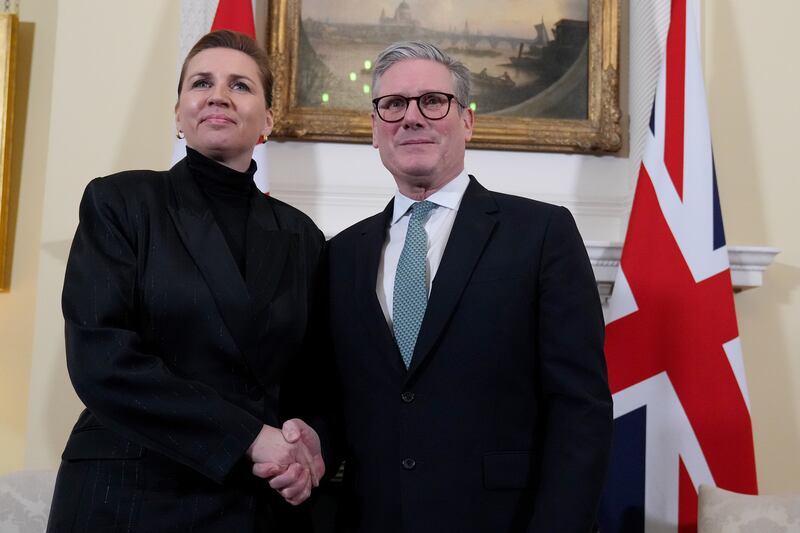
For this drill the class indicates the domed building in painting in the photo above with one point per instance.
(402, 17)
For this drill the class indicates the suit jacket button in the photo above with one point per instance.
(409, 463)
(407, 397)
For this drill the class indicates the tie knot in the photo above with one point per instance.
(420, 209)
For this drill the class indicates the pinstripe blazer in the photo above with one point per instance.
(178, 358)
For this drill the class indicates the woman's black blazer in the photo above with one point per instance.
(178, 358)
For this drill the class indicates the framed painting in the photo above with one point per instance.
(8, 41)
(544, 73)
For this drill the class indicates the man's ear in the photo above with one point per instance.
(468, 118)
(374, 129)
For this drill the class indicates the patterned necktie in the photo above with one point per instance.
(410, 285)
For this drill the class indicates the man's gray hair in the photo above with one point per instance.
(403, 50)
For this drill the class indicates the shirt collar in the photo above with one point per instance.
(448, 196)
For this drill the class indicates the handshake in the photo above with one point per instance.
(290, 458)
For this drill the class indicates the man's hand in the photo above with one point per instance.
(297, 432)
(290, 458)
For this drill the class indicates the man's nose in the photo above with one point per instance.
(413, 114)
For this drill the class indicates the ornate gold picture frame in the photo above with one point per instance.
(8, 43)
(313, 98)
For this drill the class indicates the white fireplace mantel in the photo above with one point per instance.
(748, 264)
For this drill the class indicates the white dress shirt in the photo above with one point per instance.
(437, 227)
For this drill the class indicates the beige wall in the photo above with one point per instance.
(99, 99)
(95, 86)
(752, 78)
(111, 108)
(30, 143)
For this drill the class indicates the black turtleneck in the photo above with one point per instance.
(228, 192)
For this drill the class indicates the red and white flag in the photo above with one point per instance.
(681, 409)
(198, 17)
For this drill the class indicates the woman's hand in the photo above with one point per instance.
(291, 458)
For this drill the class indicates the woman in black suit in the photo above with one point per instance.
(187, 296)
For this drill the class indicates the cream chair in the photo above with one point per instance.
(25, 500)
(722, 511)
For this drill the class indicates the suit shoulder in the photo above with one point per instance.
(534, 210)
(521, 202)
(133, 178)
(348, 234)
(533, 218)
(128, 182)
(289, 216)
(292, 219)
(125, 188)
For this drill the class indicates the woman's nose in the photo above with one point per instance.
(219, 95)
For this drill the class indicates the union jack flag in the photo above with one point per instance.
(682, 415)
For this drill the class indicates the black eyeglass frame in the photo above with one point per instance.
(408, 99)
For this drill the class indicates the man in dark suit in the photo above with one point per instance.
(468, 335)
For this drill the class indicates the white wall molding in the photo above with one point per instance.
(337, 207)
(377, 197)
(748, 264)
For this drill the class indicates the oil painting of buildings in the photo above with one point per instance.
(526, 58)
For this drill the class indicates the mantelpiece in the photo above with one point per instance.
(748, 264)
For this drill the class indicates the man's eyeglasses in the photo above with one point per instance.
(433, 106)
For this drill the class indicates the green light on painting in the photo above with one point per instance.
(367, 65)
(353, 76)
(325, 98)
(473, 106)
(365, 88)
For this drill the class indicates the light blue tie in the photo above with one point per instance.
(410, 285)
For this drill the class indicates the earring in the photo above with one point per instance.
(179, 134)
(262, 139)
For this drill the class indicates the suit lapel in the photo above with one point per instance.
(267, 251)
(368, 256)
(206, 244)
(472, 228)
